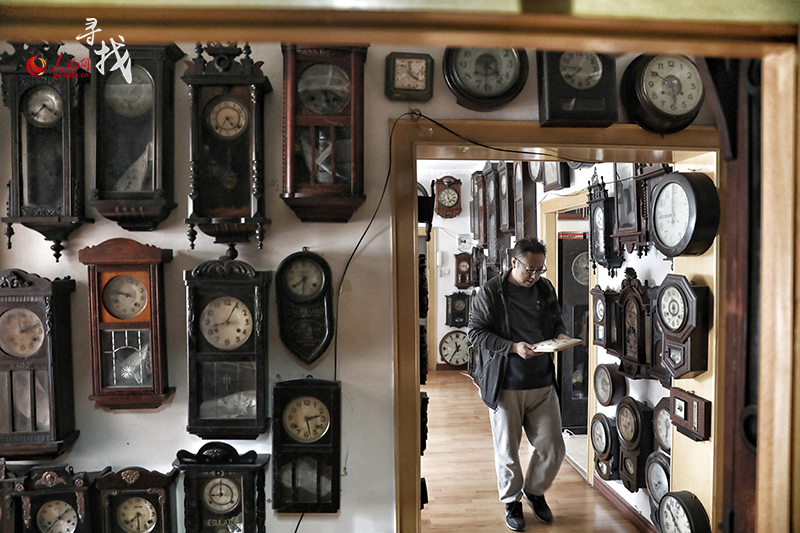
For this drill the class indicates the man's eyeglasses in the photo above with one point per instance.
(531, 271)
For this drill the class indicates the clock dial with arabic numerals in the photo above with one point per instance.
(226, 323)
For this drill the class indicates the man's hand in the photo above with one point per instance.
(524, 350)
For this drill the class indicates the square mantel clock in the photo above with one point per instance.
(409, 77)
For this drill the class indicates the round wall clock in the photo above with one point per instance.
(662, 425)
(454, 348)
(656, 475)
(132, 99)
(226, 323)
(682, 512)
(605, 442)
(662, 94)
(609, 384)
(306, 419)
(43, 106)
(485, 79)
(21, 332)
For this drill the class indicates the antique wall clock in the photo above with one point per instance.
(480, 207)
(576, 89)
(306, 446)
(226, 144)
(555, 175)
(495, 239)
(304, 286)
(604, 319)
(324, 129)
(657, 479)
(525, 174)
(223, 490)
(691, 414)
(457, 314)
(505, 173)
(128, 323)
(226, 314)
(463, 270)
(135, 500)
(133, 181)
(658, 366)
(447, 191)
(682, 309)
(9, 516)
(634, 425)
(609, 385)
(682, 512)
(47, 152)
(630, 208)
(634, 324)
(685, 214)
(56, 499)
(662, 94)
(662, 425)
(454, 348)
(409, 77)
(605, 442)
(35, 365)
(485, 79)
(602, 248)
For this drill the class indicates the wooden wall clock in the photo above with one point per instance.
(56, 499)
(223, 490)
(609, 385)
(505, 172)
(464, 268)
(480, 203)
(478, 265)
(128, 323)
(525, 177)
(35, 365)
(304, 286)
(691, 414)
(658, 366)
(324, 131)
(495, 239)
(47, 153)
(576, 89)
(485, 79)
(634, 322)
(226, 314)
(447, 191)
(306, 446)
(682, 309)
(602, 248)
(635, 428)
(605, 442)
(133, 181)
(605, 317)
(555, 175)
(226, 144)
(136, 500)
(457, 314)
(630, 202)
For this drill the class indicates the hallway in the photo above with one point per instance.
(458, 467)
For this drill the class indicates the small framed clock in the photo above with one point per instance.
(576, 89)
(634, 321)
(605, 442)
(447, 191)
(691, 414)
(223, 490)
(226, 314)
(662, 426)
(306, 446)
(304, 286)
(136, 500)
(454, 348)
(609, 385)
(682, 511)
(457, 314)
(409, 77)
(602, 248)
(128, 324)
(682, 310)
(555, 175)
(485, 79)
(605, 315)
(634, 424)
(507, 216)
(463, 270)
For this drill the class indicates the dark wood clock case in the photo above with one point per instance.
(634, 323)
(114, 488)
(603, 248)
(640, 447)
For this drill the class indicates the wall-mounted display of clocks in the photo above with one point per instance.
(135, 500)
(682, 512)
(682, 309)
(485, 79)
(609, 384)
(447, 191)
(454, 348)
(605, 442)
(634, 425)
(604, 319)
(690, 414)
(602, 248)
(576, 89)
(457, 315)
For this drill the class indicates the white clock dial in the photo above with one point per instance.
(599, 310)
(463, 266)
(21, 332)
(57, 516)
(448, 197)
(487, 72)
(673, 516)
(581, 70)
(221, 495)
(304, 277)
(602, 385)
(132, 99)
(454, 348)
(672, 308)
(672, 84)
(306, 419)
(137, 515)
(664, 429)
(630, 466)
(671, 214)
(490, 191)
(43, 106)
(657, 481)
(599, 231)
(125, 296)
(626, 422)
(226, 323)
(599, 441)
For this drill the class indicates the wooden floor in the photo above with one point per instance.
(458, 467)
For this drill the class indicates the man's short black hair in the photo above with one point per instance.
(528, 245)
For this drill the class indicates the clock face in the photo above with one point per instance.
(306, 419)
(448, 197)
(599, 310)
(672, 84)
(599, 438)
(602, 385)
(227, 117)
(671, 214)
(57, 516)
(626, 422)
(304, 278)
(226, 323)
(672, 308)
(409, 73)
(599, 232)
(580, 268)
(581, 70)
(137, 515)
(21, 332)
(632, 328)
(486, 72)
(463, 266)
(459, 305)
(630, 466)
(43, 106)
(221, 495)
(132, 99)
(657, 481)
(673, 516)
(454, 348)
(125, 297)
(663, 429)
(324, 89)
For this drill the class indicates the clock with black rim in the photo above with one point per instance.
(128, 324)
(226, 314)
(605, 316)
(657, 476)
(226, 144)
(682, 309)
(634, 425)
(454, 348)
(409, 77)
(136, 500)
(223, 489)
(457, 314)
(47, 150)
(685, 216)
(304, 286)
(658, 366)
(134, 166)
(605, 442)
(682, 512)
(485, 79)
(306, 446)
(634, 321)
(602, 248)
(609, 384)
(662, 94)
(36, 365)
(576, 89)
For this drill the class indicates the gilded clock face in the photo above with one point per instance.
(43, 106)
(132, 99)
(21, 332)
(226, 323)
(57, 516)
(227, 117)
(221, 495)
(671, 214)
(599, 439)
(631, 329)
(125, 297)
(672, 308)
(306, 419)
(626, 422)
(324, 89)
(663, 429)
(304, 278)
(137, 515)
(599, 310)
(599, 232)
(581, 70)
(672, 84)
(448, 197)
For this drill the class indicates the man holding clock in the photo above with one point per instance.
(510, 313)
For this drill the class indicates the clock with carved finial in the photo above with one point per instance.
(136, 500)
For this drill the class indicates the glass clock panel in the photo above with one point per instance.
(44, 168)
(228, 390)
(626, 206)
(227, 166)
(306, 480)
(599, 333)
(127, 360)
(323, 155)
(31, 411)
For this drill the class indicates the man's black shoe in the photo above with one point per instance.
(540, 507)
(514, 519)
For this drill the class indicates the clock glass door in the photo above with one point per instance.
(228, 390)
(39, 126)
(127, 361)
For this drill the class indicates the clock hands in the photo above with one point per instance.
(58, 518)
(670, 84)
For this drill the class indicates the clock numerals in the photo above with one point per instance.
(137, 515)
(21, 332)
(226, 323)
(125, 297)
(581, 70)
(485, 79)
(227, 117)
(221, 495)
(57, 516)
(454, 348)
(306, 419)
(43, 106)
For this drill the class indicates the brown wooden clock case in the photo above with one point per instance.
(634, 321)
(447, 191)
(136, 500)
